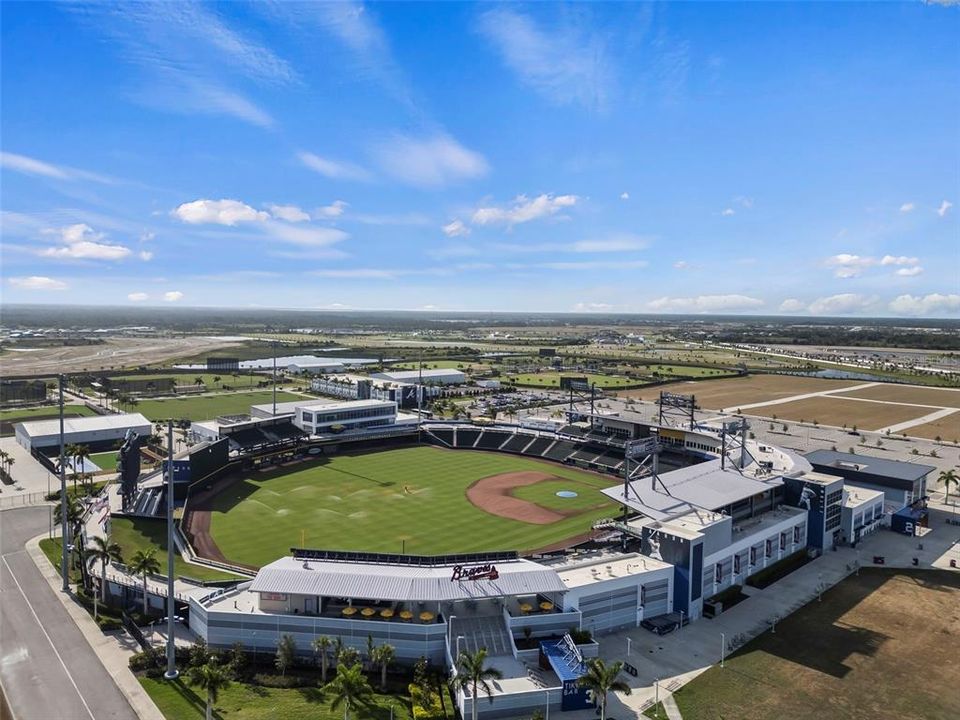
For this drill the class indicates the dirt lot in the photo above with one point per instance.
(881, 645)
(938, 397)
(116, 353)
(718, 394)
(493, 495)
(946, 428)
(833, 411)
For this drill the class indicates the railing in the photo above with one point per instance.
(22, 500)
(132, 628)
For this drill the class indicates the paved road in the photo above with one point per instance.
(47, 669)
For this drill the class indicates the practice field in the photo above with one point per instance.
(105, 460)
(719, 394)
(411, 499)
(946, 428)
(881, 645)
(552, 380)
(834, 411)
(206, 407)
(935, 397)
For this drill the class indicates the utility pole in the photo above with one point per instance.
(274, 378)
(171, 673)
(64, 531)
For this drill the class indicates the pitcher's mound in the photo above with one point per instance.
(492, 494)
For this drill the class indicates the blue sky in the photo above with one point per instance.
(756, 158)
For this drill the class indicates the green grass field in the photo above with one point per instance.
(208, 407)
(551, 379)
(179, 700)
(105, 460)
(440, 364)
(375, 501)
(15, 415)
(133, 534)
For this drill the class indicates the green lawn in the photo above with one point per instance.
(49, 412)
(52, 548)
(133, 534)
(879, 645)
(375, 501)
(208, 407)
(439, 365)
(552, 379)
(181, 701)
(686, 371)
(105, 460)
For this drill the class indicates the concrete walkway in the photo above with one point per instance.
(670, 707)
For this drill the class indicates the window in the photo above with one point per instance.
(783, 541)
(718, 573)
(769, 548)
(736, 564)
(796, 534)
(753, 556)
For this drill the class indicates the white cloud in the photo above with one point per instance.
(290, 213)
(704, 303)
(137, 296)
(333, 169)
(624, 196)
(456, 228)
(32, 166)
(172, 296)
(681, 265)
(219, 212)
(595, 265)
(898, 260)
(944, 208)
(145, 255)
(910, 272)
(82, 243)
(565, 65)
(925, 305)
(524, 209)
(620, 243)
(727, 212)
(430, 162)
(584, 307)
(907, 207)
(304, 235)
(792, 305)
(744, 201)
(37, 282)
(846, 265)
(842, 304)
(333, 210)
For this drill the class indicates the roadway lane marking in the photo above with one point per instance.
(49, 640)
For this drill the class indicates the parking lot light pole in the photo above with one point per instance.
(723, 648)
(656, 697)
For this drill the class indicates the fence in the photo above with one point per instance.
(22, 500)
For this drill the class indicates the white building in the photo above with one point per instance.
(314, 367)
(434, 376)
(323, 416)
(95, 431)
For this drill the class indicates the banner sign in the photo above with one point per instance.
(641, 447)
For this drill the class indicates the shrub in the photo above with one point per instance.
(580, 637)
(282, 681)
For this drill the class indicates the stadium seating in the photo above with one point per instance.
(491, 439)
(444, 435)
(517, 443)
(560, 451)
(466, 438)
(538, 446)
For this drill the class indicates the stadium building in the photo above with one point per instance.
(902, 483)
(322, 416)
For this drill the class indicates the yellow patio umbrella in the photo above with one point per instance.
(545, 605)
(368, 612)
(349, 611)
(386, 613)
(426, 616)
(525, 607)
(405, 614)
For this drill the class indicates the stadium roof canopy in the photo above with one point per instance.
(408, 583)
(705, 486)
(78, 425)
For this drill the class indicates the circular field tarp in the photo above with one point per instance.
(567, 494)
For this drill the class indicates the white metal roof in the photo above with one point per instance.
(285, 408)
(414, 375)
(382, 581)
(41, 428)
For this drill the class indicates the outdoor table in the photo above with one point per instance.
(349, 611)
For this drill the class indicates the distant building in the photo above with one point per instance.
(323, 416)
(902, 483)
(223, 364)
(429, 377)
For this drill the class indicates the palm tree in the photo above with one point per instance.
(102, 550)
(210, 677)
(602, 679)
(143, 563)
(320, 646)
(10, 460)
(74, 452)
(286, 653)
(383, 656)
(350, 689)
(74, 515)
(472, 674)
(198, 381)
(948, 477)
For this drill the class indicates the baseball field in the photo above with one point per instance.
(206, 407)
(419, 500)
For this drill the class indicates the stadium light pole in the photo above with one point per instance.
(64, 539)
(171, 673)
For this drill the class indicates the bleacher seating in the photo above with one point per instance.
(444, 435)
(517, 443)
(585, 456)
(560, 450)
(538, 446)
(610, 458)
(466, 438)
(491, 439)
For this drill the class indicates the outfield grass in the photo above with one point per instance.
(545, 494)
(375, 501)
(179, 700)
(208, 407)
(133, 534)
(879, 645)
(550, 379)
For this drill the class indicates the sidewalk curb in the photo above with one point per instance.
(113, 662)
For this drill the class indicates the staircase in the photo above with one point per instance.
(484, 631)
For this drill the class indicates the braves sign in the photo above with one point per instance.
(477, 572)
